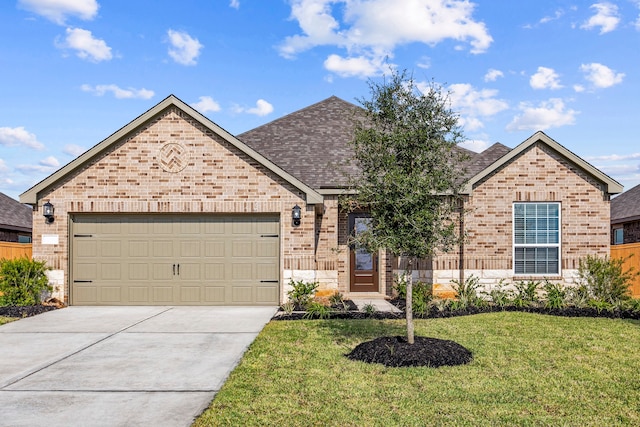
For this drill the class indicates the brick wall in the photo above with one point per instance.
(175, 165)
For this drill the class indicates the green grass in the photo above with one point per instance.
(4, 319)
(528, 370)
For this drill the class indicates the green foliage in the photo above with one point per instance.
(369, 309)
(605, 278)
(421, 293)
(632, 304)
(555, 295)
(302, 292)
(288, 307)
(577, 296)
(467, 293)
(407, 155)
(526, 293)
(316, 310)
(337, 300)
(23, 281)
(500, 296)
(600, 305)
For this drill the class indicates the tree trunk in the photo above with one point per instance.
(409, 302)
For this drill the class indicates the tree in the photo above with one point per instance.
(410, 173)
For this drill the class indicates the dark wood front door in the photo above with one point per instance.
(363, 265)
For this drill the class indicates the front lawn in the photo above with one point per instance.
(528, 369)
(4, 319)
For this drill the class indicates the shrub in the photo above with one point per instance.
(555, 295)
(578, 296)
(369, 309)
(500, 296)
(302, 292)
(317, 310)
(421, 293)
(526, 293)
(605, 278)
(337, 300)
(467, 292)
(23, 281)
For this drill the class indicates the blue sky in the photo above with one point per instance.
(75, 71)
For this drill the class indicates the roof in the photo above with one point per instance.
(309, 143)
(14, 215)
(626, 206)
(612, 186)
(313, 144)
(32, 195)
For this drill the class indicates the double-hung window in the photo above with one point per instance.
(536, 238)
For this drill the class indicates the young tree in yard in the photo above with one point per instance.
(410, 173)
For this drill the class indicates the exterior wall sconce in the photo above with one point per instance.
(296, 214)
(47, 212)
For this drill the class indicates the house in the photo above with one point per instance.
(15, 221)
(625, 217)
(172, 209)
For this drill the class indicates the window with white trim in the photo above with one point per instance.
(536, 238)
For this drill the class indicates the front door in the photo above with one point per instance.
(363, 265)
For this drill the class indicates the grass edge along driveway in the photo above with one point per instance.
(528, 369)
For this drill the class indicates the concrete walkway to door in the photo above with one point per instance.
(121, 366)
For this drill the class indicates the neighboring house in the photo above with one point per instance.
(15, 220)
(172, 209)
(625, 217)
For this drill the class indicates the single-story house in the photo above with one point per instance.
(625, 217)
(15, 220)
(172, 209)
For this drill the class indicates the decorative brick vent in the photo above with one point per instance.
(173, 157)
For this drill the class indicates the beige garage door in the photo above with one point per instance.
(174, 260)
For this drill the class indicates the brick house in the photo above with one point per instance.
(172, 209)
(625, 217)
(15, 221)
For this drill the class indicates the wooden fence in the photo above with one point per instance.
(15, 250)
(623, 251)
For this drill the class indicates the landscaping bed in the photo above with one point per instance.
(25, 311)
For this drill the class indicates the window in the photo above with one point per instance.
(24, 239)
(618, 236)
(536, 238)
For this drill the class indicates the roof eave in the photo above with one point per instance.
(31, 196)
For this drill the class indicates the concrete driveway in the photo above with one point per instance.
(120, 366)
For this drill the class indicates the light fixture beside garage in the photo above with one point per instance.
(296, 214)
(47, 212)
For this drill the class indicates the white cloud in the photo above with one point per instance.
(86, 46)
(548, 114)
(13, 137)
(234, 4)
(262, 108)
(46, 165)
(578, 88)
(473, 104)
(58, 10)
(600, 75)
(370, 30)
(354, 66)
(557, 15)
(206, 104)
(184, 48)
(73, 150)
(493, 75)
(614, 157)
(545, 78)
(129, 93)
(476, 145)
(606, 18)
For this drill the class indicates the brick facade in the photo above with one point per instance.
(215, 177)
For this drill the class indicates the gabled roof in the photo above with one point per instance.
(612, 186)
(32, 195)
(14, 215)
(479, 161)
(626, 206)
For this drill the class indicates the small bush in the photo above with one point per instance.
(302, 292)
(526, 293)
(23, 281)
(316, 310)
(578, 296)
(467, 293)
(555, 295)
(369, 309)
(605, 279)
(500, 296)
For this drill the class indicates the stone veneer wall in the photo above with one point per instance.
(539, 174)
(207, 175)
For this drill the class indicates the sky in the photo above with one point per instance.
(72, 72)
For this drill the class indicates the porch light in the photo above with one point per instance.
(47, 211)
(296, 214)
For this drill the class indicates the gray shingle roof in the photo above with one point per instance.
(14, 215)
(312, 142)
(626, 206)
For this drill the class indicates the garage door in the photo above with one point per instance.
(174, 260)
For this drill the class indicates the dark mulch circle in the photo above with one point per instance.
(397, 352)
(25, 311)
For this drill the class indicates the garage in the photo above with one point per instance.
(174, 259)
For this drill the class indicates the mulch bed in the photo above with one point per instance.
(25, 311)
(397, 352)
